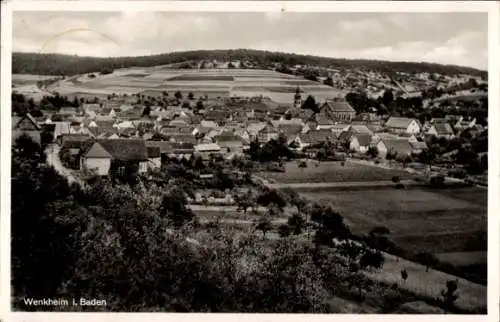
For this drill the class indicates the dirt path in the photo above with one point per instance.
(53, 159)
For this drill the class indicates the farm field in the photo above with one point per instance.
(471, 296)
(212, 82)
(463, 258)
(332, 172)
(28, 79)
(419, 219)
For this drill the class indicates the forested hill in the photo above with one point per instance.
(57, 64)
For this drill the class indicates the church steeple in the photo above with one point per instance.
(297, 98)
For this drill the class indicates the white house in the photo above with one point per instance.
(98, 156)
(441, 130)
(400, 147)
(360, 142)
(401, 125)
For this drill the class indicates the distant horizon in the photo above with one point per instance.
(451, 38)
(250, 49)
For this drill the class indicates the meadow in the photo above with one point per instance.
(419, 219)
(332, 172)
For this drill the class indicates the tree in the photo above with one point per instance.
(271, 196)
(191, 96)
(372, 152)
(404, 275)
(297, 223)
(178, 95)
(310, 104)
(395, 179)
(427, 260)
(302, 164)
(372, 259)
(173, 208)
(284, 231)
(449, 295)
(264, 225)
(146, 111)
(328, 81)
(331, 225)
(387, 97)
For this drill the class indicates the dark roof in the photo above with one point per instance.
(318, 136)
(323, 119)
(337, 107)
(74, 138)
(215, 115)
(182, 138)
(180, 148)
(226, 136)
(125, 149)
(164, 146)
(25, 123)
(153, 152)
(345, 135)
(398, 122)
(363, 139)
(443, 128)
(400, 146)
(290, 129)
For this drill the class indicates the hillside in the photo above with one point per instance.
(57, 64)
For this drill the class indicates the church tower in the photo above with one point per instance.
(297, 103)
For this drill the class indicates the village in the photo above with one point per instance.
(124, 129)
(260, 162)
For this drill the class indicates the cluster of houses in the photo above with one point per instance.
(126, 133)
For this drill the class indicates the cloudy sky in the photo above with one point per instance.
(448, 38)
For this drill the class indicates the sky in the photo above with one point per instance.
(447, 38)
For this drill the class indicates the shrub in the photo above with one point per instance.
(437, 181)
(395, 179)
(400, 186)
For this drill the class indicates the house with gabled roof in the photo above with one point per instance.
(229, 143)
(206, 150)
(360, 142)
(254, 128)
(154, 157)
(338, 110)
(99, 154)
(267, 134)
(402, 125)
(360, 129)
(441, 130)
(313, 137)
(401, 147)
(26, 125)
(418, 147)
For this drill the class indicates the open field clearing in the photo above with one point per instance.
(463, 258)
(419, 219)
(194, 78)
(226, 82)
(431, 283)
(28, 79)
(331, 172)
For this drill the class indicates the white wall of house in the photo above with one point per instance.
(354, 145)
(154, 163)
(413, 128)
(143, 166)
(382, 149)
(99, 165)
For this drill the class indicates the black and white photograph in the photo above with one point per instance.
(249, 162)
